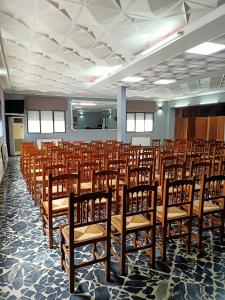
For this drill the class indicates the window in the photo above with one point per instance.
(59, 121)
(131, 122)
(33, 121)
(139, 122)
(45, 121)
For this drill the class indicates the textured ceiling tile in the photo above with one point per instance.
(46, 44)
(24, 7)
(60, 67)
(11, 48)
(115, 60)
(82, 37)
(14, 62)
(101, 51)
(104, 11)
(70, 56)
(55, 19)
(161, 7)
(40, 59)
(15, 29)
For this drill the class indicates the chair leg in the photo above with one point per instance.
(123, 254)
(189, 235)
(71, 279)
(153, 248)
(163, 249)
(222, 227)
(62, 250)
(50, 233)
(43, 221)
(199, 243)
(108, 262)
(71, 269)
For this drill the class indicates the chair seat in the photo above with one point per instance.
(55, 189)
(58, 204)
(132, 222)
(39, 178)
(172, 212)
(134, 194)
(84, 233)
(208, 206)
(103, 200)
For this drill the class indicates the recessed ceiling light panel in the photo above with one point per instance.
(206, 48)
(164, 81)
(132, 79)
(208, 102)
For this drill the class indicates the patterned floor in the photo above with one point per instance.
(30, 270)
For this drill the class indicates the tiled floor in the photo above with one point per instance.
(30, 270)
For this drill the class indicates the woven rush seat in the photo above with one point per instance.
(172, 212)
(56, 189)
(131, 222)
(40, 178)
(35, 171)
(208, 206)
(84, 233)
(88, 185)
(58, 204)
(134, 194)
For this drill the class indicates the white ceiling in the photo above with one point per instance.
(62, 46)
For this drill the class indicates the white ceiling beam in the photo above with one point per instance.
(205, 29)
(4, 73)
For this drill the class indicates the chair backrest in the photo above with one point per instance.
(94, 214)
(149, 162)
(55, 170)
(138, 176)
(222, 166)
(199, 169)
(120, 164)
(86, 169)
(178, 193)
(140, 199)
(172, 172)
(62, 185)
(213, 190)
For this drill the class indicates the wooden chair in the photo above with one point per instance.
(89, 228)
(175, 213)
(171, 172)
(57, 202)
(190, 157)
(121, 164)
(104, 180)
(148, 162)
(86, 170)
(198, 170)
(138, 176)
(138, 217)
(210, 208)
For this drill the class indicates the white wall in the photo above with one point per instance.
(162, 125)
(163, 128)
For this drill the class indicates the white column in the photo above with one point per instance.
(121, 114)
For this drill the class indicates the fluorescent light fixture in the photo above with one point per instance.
(87, 103)
(79, 104)
(181, 104)
(208, 102)
(206, 48)
(103, 70)
(164, 81)
(165, 42)
(132, 79)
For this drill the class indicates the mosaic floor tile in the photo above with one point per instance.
(30, 270)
